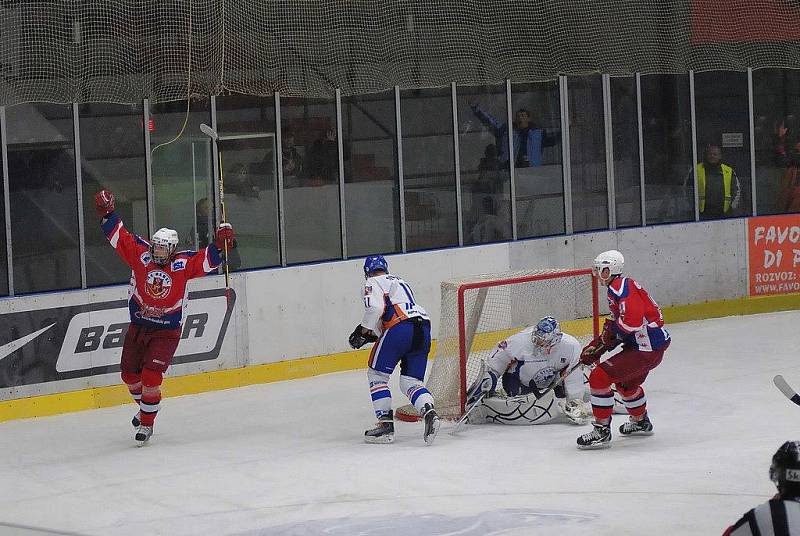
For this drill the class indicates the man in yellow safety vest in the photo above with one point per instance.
(718, 186)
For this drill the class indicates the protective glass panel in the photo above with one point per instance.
(625, 129)
(667, 133)
(485, 177)
(372, 195)
(538, 169)
(249, 173)
(310, 160)
(112, 158)
(429, 169)
(587, 140)
(3, 253)
(43, 196)
(723, 145)
(776, 101)
(183, 186)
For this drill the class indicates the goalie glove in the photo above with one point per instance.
(358, 338)
(575, 411)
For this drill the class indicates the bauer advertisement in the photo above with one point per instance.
(75, 341)
(774, 255)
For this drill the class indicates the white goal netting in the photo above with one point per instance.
(493, 307)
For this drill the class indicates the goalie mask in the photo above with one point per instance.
(546, 333)
(163, 245)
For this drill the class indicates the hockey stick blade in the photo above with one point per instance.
(208, 131)
(463, 419)
(786, 389)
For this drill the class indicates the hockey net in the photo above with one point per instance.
(478, 312)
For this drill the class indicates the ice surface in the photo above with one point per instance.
(288, 458)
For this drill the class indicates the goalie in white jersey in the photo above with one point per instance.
(532, 364)
(401, 331)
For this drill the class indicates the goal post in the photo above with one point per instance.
(478, 312)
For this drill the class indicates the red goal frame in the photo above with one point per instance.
(410, 414)
(462, 324)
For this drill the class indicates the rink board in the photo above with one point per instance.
(293, 322)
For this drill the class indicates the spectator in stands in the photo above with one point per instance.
(203, 223)
(291, 160)
(788, 199)
(489, 226)
(492, 173)
(785, 131)
(529, 140)
(780, 514)
(240, 182)
(323, 159)
(718, 186)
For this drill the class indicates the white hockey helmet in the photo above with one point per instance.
(163, 245)
(546, 333)
(613, 260)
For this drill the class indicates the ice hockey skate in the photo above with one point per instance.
(383, 431)
(598, 438)
(136, 421)
(432, 423)
(143, 434)
(637, 428)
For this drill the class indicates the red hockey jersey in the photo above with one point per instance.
(157, 292)
(637, 318)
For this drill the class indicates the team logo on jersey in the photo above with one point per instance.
(367, 290)
(158, 284)
(145, 258)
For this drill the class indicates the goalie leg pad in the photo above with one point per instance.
(516, 410)
(416, 392)
(379, 391)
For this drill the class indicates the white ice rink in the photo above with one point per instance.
(288, 458)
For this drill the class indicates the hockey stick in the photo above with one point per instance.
(211, 133)
(786, 389)
(463, 419)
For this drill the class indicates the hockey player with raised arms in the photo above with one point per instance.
(156, 299)
(637, 324)
(530, 364)
(401, 331)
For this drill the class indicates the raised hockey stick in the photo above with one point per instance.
(211, 133)
(786, 389)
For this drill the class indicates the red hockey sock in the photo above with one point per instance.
(634, 399)
(134, 383)
(602, 397)
(151, 396)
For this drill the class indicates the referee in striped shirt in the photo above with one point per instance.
(779, 516)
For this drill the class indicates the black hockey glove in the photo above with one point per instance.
(358, 339)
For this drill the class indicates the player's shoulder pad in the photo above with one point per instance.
(186, 254)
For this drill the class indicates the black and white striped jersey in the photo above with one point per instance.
(776, 517)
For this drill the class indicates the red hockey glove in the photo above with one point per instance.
(225, 235)
(104, 203)
(593, 351)
(609, 337)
